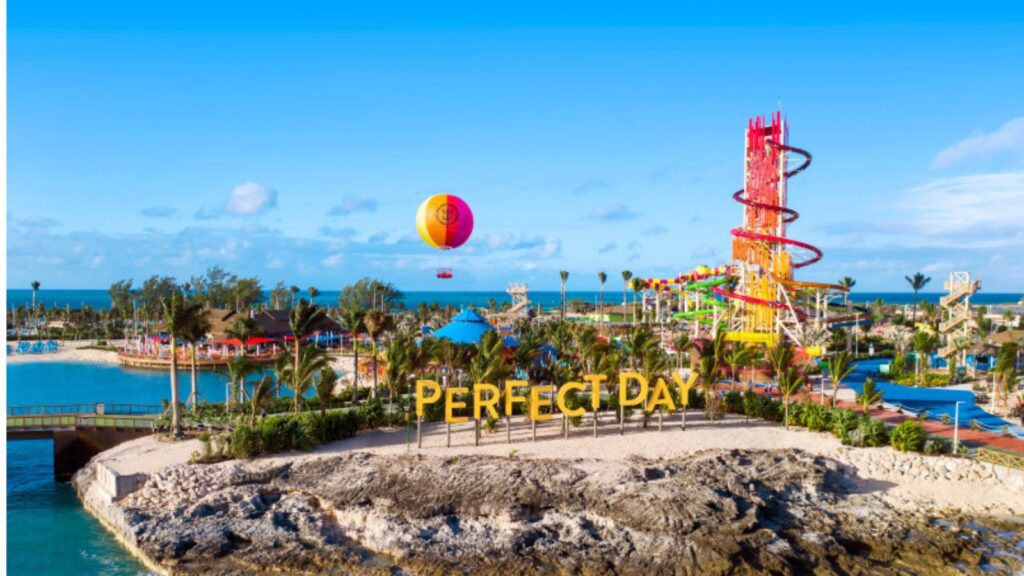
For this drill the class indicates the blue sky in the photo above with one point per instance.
(295, 141)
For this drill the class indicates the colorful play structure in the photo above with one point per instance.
(756, 299)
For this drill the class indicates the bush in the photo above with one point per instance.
(696, 399)
(844, 421)
(243, 442)
(734, 402)
(934, 446)
(372, 413)
(312, 431)
(817, 417)
(340, 425)
(869, 432)
(908, 436)
(275, 433)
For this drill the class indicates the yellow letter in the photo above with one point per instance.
(595, 389)
(624, 379)
(660, 396)
(684, 386)
(493, 397)
(450, 405)
(510, 394)
(536, 402)
(560, 399)
(420, 400)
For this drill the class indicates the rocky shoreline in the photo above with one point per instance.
(709, 512)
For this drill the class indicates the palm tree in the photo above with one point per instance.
(790, 384)
(602, 278)
(638, 342)
(708, 369)
(301, 376)
(243, 329)
(325, 388)
(868, 396)
(239, 369)
(398, 368)
(313, 293)
(489, 365)
(1005, 372)
(626, 277)
(917, 283)
(35, 288)
(739, 356)
(281, 367)
(376, 322)
(840, 367)
(848, 283)
(353, 318)
(192, 334)
(924, 344)
(565, 277)
(179, 316)
(779, 356)
(681, 343)
(295, 291)
(302, 321)
(259, 398)
(655, 365)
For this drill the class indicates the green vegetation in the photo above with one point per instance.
(908, 436)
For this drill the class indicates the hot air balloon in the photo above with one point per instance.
(444, 221)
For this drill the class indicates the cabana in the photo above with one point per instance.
(468, 327)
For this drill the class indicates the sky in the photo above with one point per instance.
(295, 141)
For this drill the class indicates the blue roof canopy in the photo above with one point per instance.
(468, 327)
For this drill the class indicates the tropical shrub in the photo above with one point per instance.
(870, 433)
(372, 413)
(243, 442)
(908, 436)
(734, 402)
(935, 446)
(275, 433)
(817, 417)
(843, 422)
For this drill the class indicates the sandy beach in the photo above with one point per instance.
(73, 351)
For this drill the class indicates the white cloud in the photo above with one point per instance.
(980, 203)
(1007, 139)
(250, 198)
(333, 261)
(350, 204)
(606, 248)
(613, 213)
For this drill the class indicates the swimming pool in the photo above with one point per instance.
(936, 401)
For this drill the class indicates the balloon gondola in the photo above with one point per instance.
(445, 222)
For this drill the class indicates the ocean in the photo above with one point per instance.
(48, 531)
(546, 298)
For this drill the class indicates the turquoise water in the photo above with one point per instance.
(547, 299)
(48, 532)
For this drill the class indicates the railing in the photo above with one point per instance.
(46, 422)
(1001, 458)
(101, 408)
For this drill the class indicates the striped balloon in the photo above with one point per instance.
(444, 221)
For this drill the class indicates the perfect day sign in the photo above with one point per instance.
(489, 399)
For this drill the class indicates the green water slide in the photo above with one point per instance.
(708, 298)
